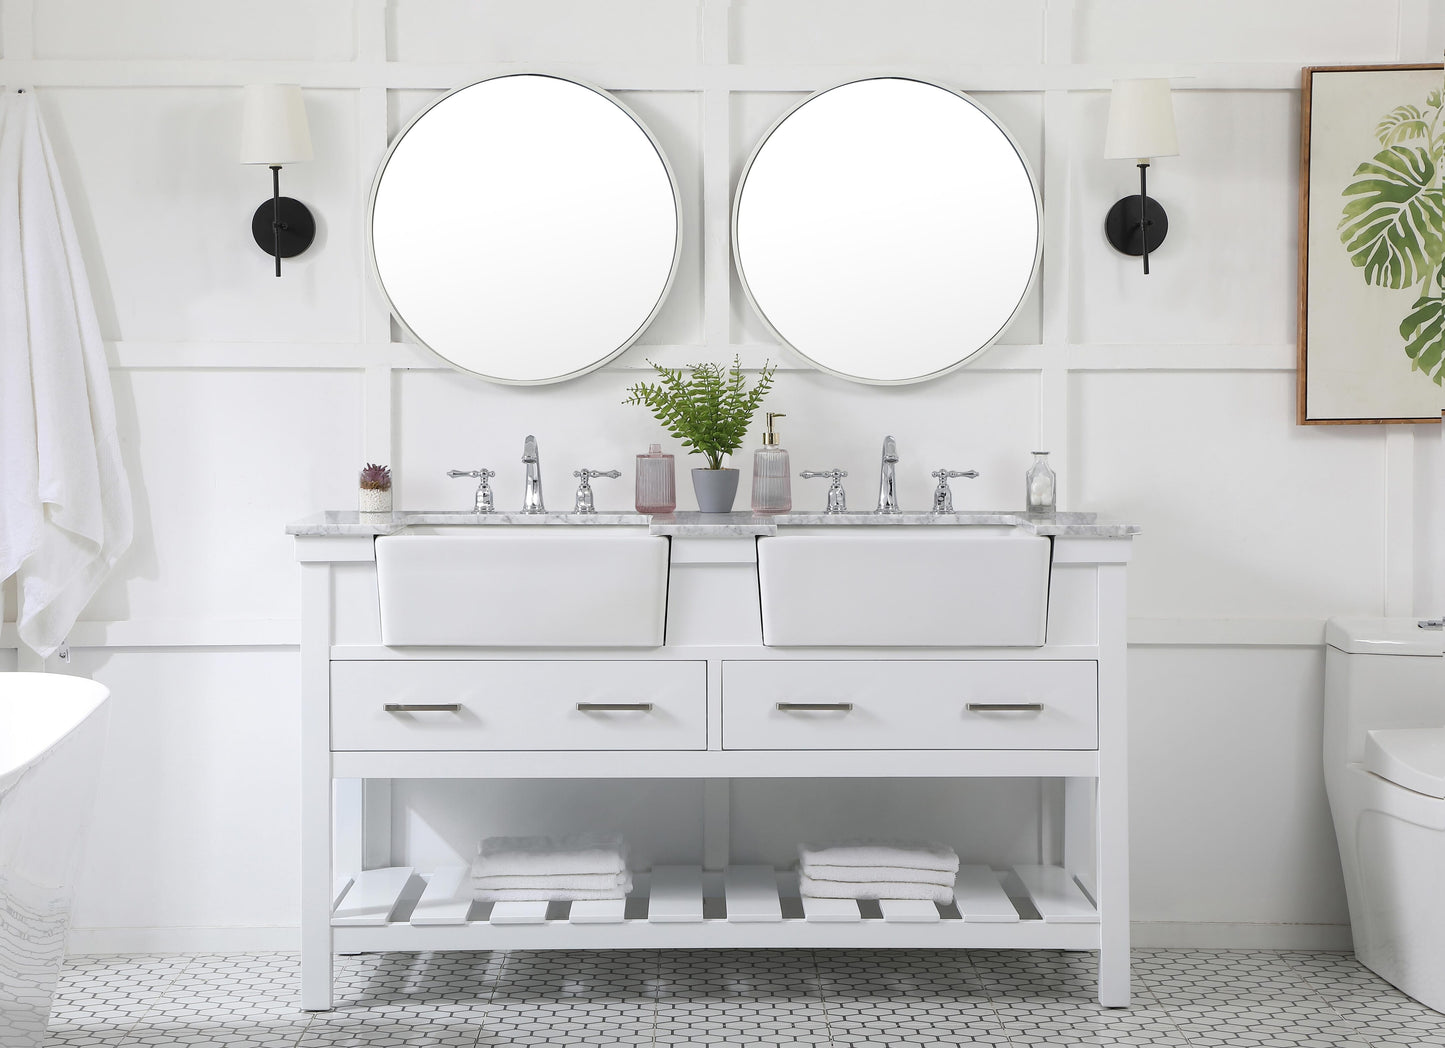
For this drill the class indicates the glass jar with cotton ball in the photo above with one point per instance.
(1041, 486)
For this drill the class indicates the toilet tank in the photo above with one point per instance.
(1379, 673)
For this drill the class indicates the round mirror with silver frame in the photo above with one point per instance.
(888, 229)
(525, 228)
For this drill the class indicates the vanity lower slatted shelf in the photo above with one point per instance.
(684, 906)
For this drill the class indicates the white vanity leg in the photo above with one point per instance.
(1112, 888)
(316, 871)
(1113, 896)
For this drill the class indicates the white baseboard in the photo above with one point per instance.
(84, 942)
(100, 942)
(1210, 936)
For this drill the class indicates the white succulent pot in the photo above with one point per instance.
(375, 500)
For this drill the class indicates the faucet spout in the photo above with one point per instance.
(887, 484)
(532, 496)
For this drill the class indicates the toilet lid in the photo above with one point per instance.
(1410, 757)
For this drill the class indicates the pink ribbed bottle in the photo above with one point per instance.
(656, 482)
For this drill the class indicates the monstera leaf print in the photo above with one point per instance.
(1393, 223)
(1424, 332)
(1394, 220)
(1402, 124)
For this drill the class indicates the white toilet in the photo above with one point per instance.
(1384, 762)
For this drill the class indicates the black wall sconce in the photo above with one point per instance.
(274, 132)
(1141, 127)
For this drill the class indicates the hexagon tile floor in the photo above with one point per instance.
(1008, 999)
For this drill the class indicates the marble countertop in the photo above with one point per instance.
(712, 525)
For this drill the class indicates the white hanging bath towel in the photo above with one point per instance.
(65, 510)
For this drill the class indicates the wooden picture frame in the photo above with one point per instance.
(1371, 240)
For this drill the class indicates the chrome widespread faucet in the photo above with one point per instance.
(942, 495)
(583, 502)
(887, 485)
(837, 497)
(532, 496)
(483, 501)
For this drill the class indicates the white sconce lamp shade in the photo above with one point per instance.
(273, 125)
(274, 132)
(1141, 121)
(1141, 127)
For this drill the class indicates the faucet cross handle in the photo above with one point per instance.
(583, 503)
(483, 503)
(943, 495)
(837, 497)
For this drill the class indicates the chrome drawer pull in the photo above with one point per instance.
(1005, 707)
(831, 707)
(423, 707)
(594, 707)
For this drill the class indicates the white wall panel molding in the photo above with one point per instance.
(1198, 935)
(371, 32)
(221, 634)
(143, 73)
(1413, 37)
(110, 941)
(1100, 357)
(1226, 633)
(1398, 569)
(716, 180)
(218, 634)
(1056, 185)
(17, 37)
(398, 76)
(265, 356)
(358, 356)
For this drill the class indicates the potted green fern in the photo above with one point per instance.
(708, 408)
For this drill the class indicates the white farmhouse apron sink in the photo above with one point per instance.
(522, 586)
(926, 586)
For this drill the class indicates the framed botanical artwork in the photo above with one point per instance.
(1372, 245)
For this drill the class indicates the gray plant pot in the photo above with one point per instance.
(715, 489)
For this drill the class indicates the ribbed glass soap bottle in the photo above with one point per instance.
(656, 482)
(772, 483)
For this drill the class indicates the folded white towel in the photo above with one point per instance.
(857, 874)
(880, 853)
(578, 881)
(618, 891)
(815, 889)
(550, 856)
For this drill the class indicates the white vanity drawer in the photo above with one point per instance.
(878, 705)
(505, 705)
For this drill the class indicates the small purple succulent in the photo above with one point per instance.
(376, 478)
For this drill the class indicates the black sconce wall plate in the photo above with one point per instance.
(1125, 231)
(294, 233)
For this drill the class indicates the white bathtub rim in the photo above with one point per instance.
(18, 686)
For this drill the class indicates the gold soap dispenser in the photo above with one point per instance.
(772, 484)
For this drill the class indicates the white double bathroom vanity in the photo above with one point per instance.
(716, 647)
